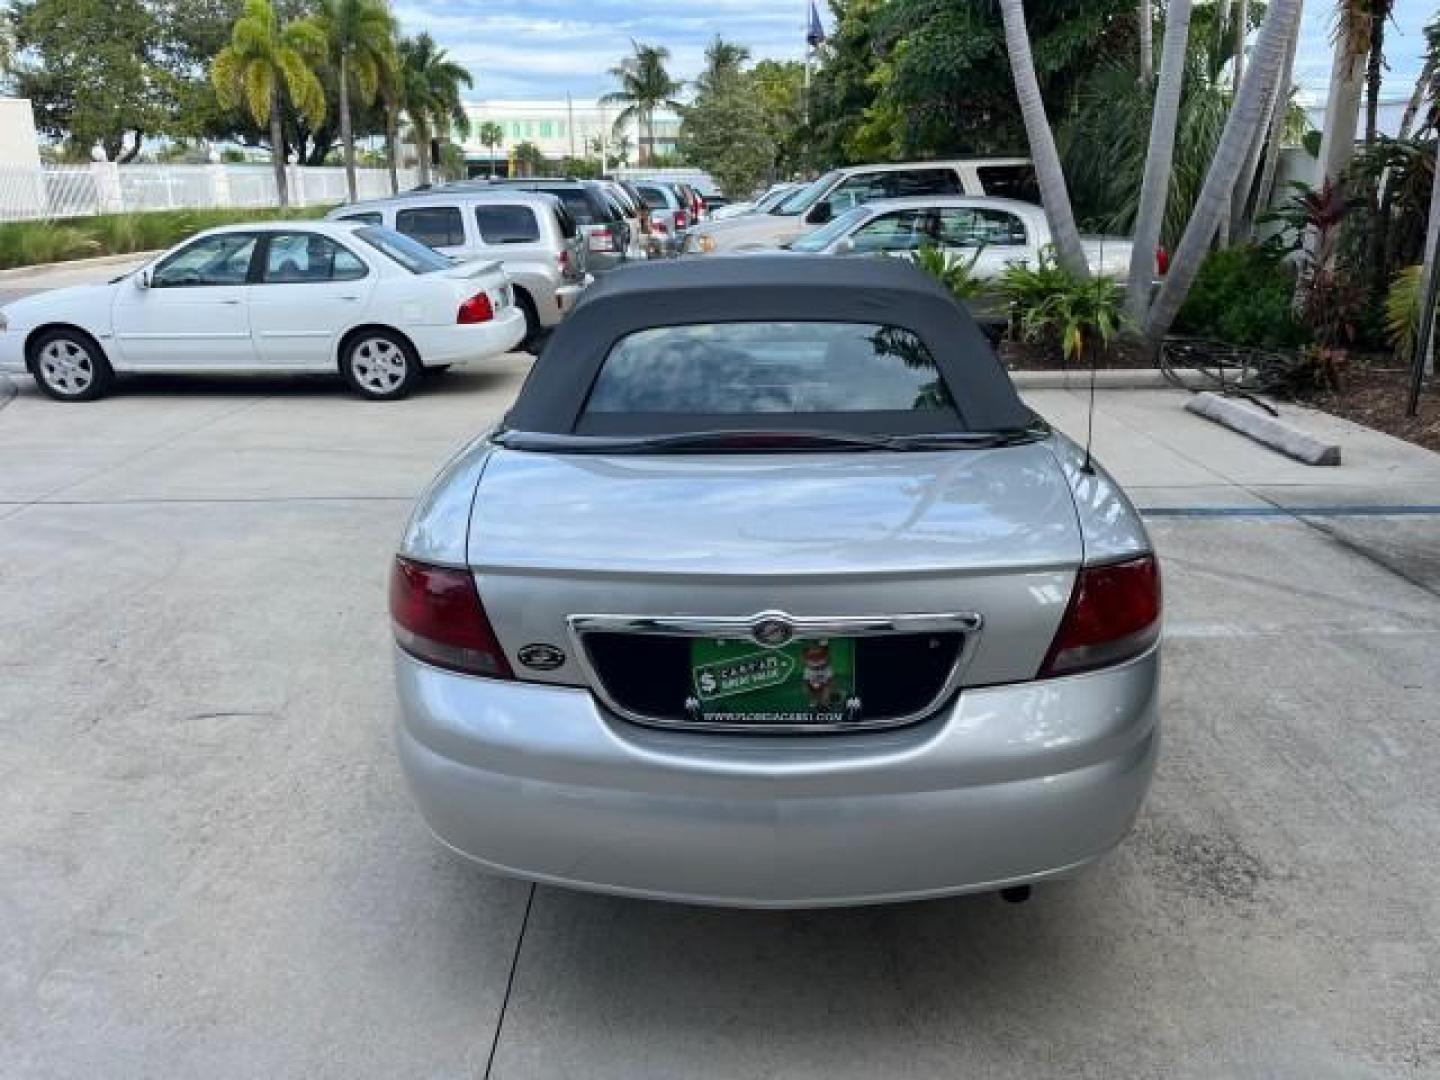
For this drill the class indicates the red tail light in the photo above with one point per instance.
(563, 261)
(1162, 261)
(438, 618)
(682, 219)
(1114, 614)
(658, 222)
(476, 310)
(602, 238)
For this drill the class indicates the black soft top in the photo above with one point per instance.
(770, 288)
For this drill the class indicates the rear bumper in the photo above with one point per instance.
(444, 345)
(1008, 785)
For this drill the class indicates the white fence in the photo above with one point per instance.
(102, 187)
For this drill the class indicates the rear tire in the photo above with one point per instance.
(380, 365)
(69, 365)
(533, 329)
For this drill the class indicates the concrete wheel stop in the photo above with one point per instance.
(1240, 416)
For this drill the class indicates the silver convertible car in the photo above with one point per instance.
(769, 591)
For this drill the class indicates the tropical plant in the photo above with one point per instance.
(1402, 313)
(1048, 172)
(265, 62)
(1155, 186)
(955, 272)
(528, 158)
(1083, 317)
(1243, 296)
(360, 40)
(645, 85)
(1247, 113)
(723, 131)
(490, 135)
(432, 94)
(1427, 85)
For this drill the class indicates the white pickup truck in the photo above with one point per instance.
(1002, 231)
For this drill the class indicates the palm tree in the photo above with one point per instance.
(1246, 114)
(392, 98)
(490, 135)
(1429, 81)
(264, 62)
(645, 86)
(432, 94)
(528, 159)
(1145, 18)
(1423, 360)
(1347, 80)
(1155, 188)
(1049, 174)
(360, 34)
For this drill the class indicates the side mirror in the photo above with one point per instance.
(819, 214)
(142, 279)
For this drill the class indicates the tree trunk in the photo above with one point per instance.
(1051, 177)
(1247, 111)
(347, 133)
(392, 149)
(1374, 74)
(1155, 188)
(1342, 112)
(1242, 209)
(1278, 119)
(422, 148)
(1242, 30)
(1425, 342)
(1417, 98)
(1146, 18)
(277, 145)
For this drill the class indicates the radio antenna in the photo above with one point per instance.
(1088, 468)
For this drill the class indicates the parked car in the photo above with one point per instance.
(531, 234)
(771, 591)
(770, 197)
(669, 214)
(637, 222)
(994, 233)
(602, 221)
(370, 303)
(837, 191)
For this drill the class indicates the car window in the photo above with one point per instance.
(368, 217)
(1010, 182)
(223, 259)
(800, 201)
(309, 257)
(826, 235)
(576, 201)
(849, 193)
(501, 224)
(433, 226)
(655, 197)
(973, 226)
(411, 254)
(568, 226)
(900, 230)
(908, 183)
(747, 368)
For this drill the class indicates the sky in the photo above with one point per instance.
(544, 48)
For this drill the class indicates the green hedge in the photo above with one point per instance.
(1243, 296)
(30, 243)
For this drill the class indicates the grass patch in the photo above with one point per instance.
(30, 243)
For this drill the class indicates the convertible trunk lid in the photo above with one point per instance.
(985, 532)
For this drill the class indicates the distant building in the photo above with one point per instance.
(562, 129)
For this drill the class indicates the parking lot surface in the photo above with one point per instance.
(209, 865)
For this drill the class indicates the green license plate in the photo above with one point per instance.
(802, 682)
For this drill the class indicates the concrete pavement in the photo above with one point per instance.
(24, 281)
(208, 863)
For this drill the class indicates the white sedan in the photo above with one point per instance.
(293, 296)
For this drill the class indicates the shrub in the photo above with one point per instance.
(1244, 296)
(955, 272)
(1081, 315)
(28, 243)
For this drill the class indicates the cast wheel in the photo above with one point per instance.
(379, 364)
(68, 365)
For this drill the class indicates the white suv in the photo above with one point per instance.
(841, 189)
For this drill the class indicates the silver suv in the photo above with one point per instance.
(533, 236)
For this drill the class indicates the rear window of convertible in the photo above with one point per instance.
(766, 368)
